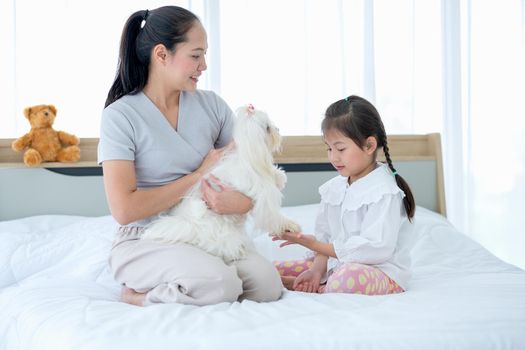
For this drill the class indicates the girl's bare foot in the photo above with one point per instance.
(288, 282)
(129, 296)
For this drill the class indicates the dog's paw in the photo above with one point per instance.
(287, 225)
(291, 226)
(280, 179)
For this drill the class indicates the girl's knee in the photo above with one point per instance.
(357, 279)
(293, 267)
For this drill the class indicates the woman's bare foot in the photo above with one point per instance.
(288, 282)
(129, 296)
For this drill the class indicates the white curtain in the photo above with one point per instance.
(449, 66)
(492, 133)
(484, 128)
(64, 53)
(294, 58)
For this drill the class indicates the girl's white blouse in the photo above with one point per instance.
(363, 221)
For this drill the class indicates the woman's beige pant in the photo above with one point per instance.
(180, 273)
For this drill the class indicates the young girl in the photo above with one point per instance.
(355, 248)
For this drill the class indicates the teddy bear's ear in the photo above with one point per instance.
(27, 112)
(52, 108)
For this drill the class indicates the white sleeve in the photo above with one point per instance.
(322, 229)
(377, 240)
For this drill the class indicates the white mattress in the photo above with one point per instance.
(57, 293)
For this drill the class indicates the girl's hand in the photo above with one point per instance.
(295, 238)
(224, 199)
(308, 281)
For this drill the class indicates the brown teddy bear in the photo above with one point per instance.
(43, 143)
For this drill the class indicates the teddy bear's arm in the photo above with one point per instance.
(22, 142)
(68, 139)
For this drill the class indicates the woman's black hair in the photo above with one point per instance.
(144, 30)
(358, 119)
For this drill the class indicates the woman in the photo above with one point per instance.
(159, 136)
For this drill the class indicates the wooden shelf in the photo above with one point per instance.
(80, 164)
(295, 149)
(12, 159)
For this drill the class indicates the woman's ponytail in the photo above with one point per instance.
(132, 72)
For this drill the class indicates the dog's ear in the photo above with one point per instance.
(275, 138)
(251, 140)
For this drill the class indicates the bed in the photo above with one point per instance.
(56, 291)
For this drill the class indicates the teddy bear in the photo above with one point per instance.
(42, 142)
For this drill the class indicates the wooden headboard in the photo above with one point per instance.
(410, 154)
(77, 189)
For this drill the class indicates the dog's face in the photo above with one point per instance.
(256, 125)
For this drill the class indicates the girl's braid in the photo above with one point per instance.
(387, 155)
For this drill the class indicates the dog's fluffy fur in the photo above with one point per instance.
(249, 168)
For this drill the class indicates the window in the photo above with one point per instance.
(63, 53)
(290, 58)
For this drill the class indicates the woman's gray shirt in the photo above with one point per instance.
(133, 128)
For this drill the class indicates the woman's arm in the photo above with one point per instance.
(128, 204)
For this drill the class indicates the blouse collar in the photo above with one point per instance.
(366, 190)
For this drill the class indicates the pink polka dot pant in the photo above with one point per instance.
(349, 278)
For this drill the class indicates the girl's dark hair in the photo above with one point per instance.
(358, 119)
(144, 30)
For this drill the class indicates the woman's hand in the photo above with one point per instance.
(308, 281)
(213, 156)
(224, 199)
(295, 238)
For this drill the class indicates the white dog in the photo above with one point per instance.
(248, 168)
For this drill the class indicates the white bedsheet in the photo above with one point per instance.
(57, 293)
